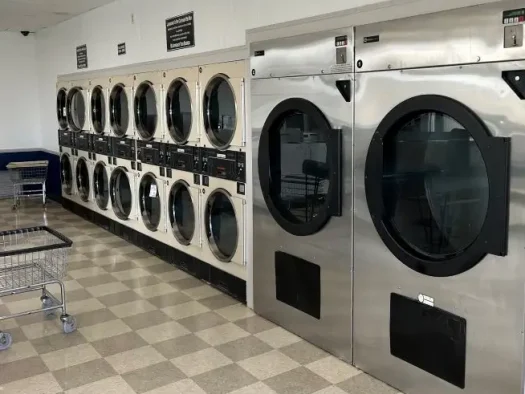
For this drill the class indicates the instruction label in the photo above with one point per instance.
(180, 32)
(82, 57)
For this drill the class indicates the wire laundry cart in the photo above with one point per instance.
(29, 180)
(31, 259)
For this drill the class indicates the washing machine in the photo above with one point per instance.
(61, 106)
(99, 106)
(83, 169)
(77, 107)
(439, 207)
(182, 115)
(223, 211)
(121, 106)
(151, 189)
(148, 106)
(302, 118)
(223, 105)
(184, 199)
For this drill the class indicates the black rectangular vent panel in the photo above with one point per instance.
(298, 283)
(429, 338)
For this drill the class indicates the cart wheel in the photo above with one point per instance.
(6, 340)
(46, 303)
(69, 324)
(15, 207)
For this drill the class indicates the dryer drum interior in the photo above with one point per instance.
(62, 108)
(437, 186)
(101, 185)
(76, 109)
(178, 111)
(120, 192)
(181, 212)
(66, 174)
(119, 110)
(98, 109)
(221, 225)
(150, 206)
(82, 176)
(146, 110)
(220, 111)
(300, 167)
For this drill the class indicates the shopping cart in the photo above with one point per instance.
(29, 179)
(31, 259)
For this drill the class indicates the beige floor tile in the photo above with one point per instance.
(154, 376)
(113, 385)
(257, 388)
(97, 280)
(155, 290)
(171, 299)
(198, 293)
(104, 330)
(181, 346)
(25, 305)
(42, 329)
(148, 319)
(83, 374)
(364, 383)
(218, 302)
(268, 365)
(333, 369)
(72, 285)
(185, 310)
(299, 380)
(78, 307)
(106, 289)
(236, 312)
(131, 274)
(186, 386)
(21, 369)
(224, 380)
(202, 322)
(123, 297)
(278, 337)
(174, 276)
(95, 317)
(331, 390)
(202, 361)
(222, 334)
(163, 332)
(57, 342)
(38, 384)
(244, 348)
(135, 359)
(303, 352)
(142, 282)
(132, 308)
(86, 272)
(17, 351)
(119, 344)
(69, 357)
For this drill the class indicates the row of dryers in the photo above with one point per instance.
(187, 197)
(199, 106)
(389, 196)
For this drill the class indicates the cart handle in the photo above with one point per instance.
(66, 241)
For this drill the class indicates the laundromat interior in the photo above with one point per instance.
(262, 197)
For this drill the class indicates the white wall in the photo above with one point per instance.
(19, 107)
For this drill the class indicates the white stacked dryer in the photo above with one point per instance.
(121, 106)
(148, 106)
(77, 106)
(99, 106)
(61, 104)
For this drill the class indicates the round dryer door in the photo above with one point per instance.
(150, 206)
(120, 192)
(178, 111)
(101, 185)
(82, 177)
(76, 109)
(300, 167)
(66, 174)
(98, 109)
(220, 112)
(437, 186)
(146, 110)
(62, 109)
(181, 212)
(221, 225)
(119, 110)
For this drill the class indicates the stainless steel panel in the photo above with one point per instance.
(491, 295)
(467, 35)
(310, 54)
(330, 248)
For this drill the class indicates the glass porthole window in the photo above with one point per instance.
(146, 110)
(62, 109)
(181, 212)
(76, 109)
(178, 111)
(119, 110)
(98, 109)
(101, 185)
(150, 205)
(120, 192)
(66, 174)
(221, 225)
(220, 112)
(82, 177)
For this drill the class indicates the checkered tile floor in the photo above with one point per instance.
(146, 327)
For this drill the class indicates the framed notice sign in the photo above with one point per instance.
(180, 32)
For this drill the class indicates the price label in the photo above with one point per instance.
(153, 191)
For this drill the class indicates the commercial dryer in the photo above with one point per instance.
(102, 161)
(439, 201)
(77, 106)
(83, 169)
(61, 104)
(302, 214)
(182, 116)
(121, 106)
(67, 174)
(148, 106)
(223, 105)
(99, 106)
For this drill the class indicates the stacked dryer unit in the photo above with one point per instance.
(67, 173)
(83, 169)
(148, 106)
(439, 208)
(302, 117)
(223, 156)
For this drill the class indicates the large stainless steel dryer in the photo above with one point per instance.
(439, 201)
(302, 151)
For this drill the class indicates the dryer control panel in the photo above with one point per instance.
(228, 165)
(149, 152)
(184, 158)
(84, 142)
(65, 138)
(123, 148)
(102, 145)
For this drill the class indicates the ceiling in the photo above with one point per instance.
(32, 15)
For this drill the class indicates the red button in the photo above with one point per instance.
(522, 18)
